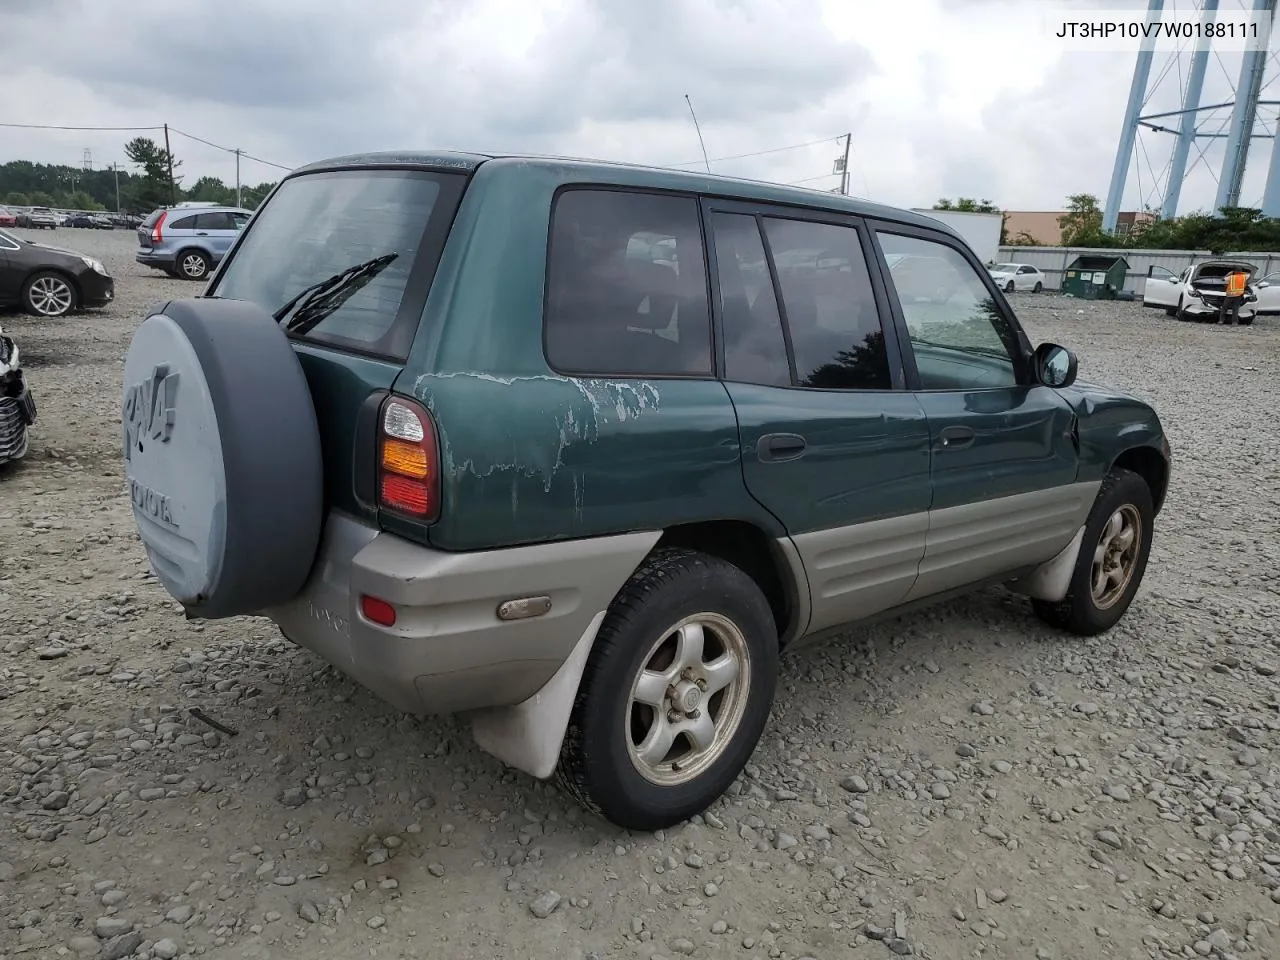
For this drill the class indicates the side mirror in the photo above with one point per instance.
(1054, 366)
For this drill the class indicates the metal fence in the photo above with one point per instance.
(1053, 261)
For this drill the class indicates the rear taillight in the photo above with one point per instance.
(157, 235)
(408, 462)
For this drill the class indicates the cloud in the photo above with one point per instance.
(943, 97)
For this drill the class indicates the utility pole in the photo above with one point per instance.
(173, 190)
(115, 168)
(844, 166)
(237, 176)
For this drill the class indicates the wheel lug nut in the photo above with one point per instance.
(673, 716)
(694, 714)
(702, 684)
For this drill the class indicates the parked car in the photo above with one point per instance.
(48, 281)
(88, 221)
(38, 218)
(1017, 276)
(8, 218)
(189, 240)
(1197, 293)
(578, 448)
(17, 405)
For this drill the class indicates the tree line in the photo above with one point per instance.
(142, 189)
(1236, 228)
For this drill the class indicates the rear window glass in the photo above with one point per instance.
(318, 225)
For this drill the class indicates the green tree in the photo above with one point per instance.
(211, 190)
(154, 189)
(79, 200)
(1081, 225)
(252, 197)
(16, 199)
(967, 205)
(42, 199)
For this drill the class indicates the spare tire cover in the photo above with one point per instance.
(222, 453)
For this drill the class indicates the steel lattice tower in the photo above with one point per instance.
(1187, 124)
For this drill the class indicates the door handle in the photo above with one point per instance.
(956, 438)
(202, 233)
(781, 446)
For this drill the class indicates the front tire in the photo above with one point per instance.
(48, 294)
(1112, 561)
(676, 692)
(1009, 287)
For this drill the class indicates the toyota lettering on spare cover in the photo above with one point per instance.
(173, 459)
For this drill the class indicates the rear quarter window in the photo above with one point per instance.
(626, 285)
(317, 225)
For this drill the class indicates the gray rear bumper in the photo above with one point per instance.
(448, 650)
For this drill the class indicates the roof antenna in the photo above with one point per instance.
(699, 131)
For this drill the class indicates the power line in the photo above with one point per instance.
(209, 143)
(189, 136)
(760, 153)
(46, 126)
(821, 176)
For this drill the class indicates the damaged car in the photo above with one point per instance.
(578, 449)
(17, 406)
(1197, 293)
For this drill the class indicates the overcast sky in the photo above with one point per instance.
(943, 97)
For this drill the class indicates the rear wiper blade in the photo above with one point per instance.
(312, 304)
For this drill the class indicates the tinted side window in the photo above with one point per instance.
(754, 348)
(186, 223)
(829, 304)
(214, 221)
(958, 334)
(627, 285)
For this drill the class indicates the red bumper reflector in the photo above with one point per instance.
(378, 611)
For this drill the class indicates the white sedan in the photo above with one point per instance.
(1196, 293)
(1017, 276)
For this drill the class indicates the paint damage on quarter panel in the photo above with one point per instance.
(540, 457)
(544, 416)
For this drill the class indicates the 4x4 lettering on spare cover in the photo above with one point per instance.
(149, 409)
(149, 414)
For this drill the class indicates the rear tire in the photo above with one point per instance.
(192, 265)
(1112, 561)
(1038, 287)
(680, 609)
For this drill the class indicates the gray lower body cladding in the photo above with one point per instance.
(449, 651)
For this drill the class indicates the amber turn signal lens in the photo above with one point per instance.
(407, 459)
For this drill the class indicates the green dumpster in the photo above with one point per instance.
(1095, 276)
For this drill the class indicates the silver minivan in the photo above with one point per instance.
(189, 240)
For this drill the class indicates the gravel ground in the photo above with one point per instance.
(960, 783)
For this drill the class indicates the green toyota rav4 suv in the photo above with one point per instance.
(578, 448)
